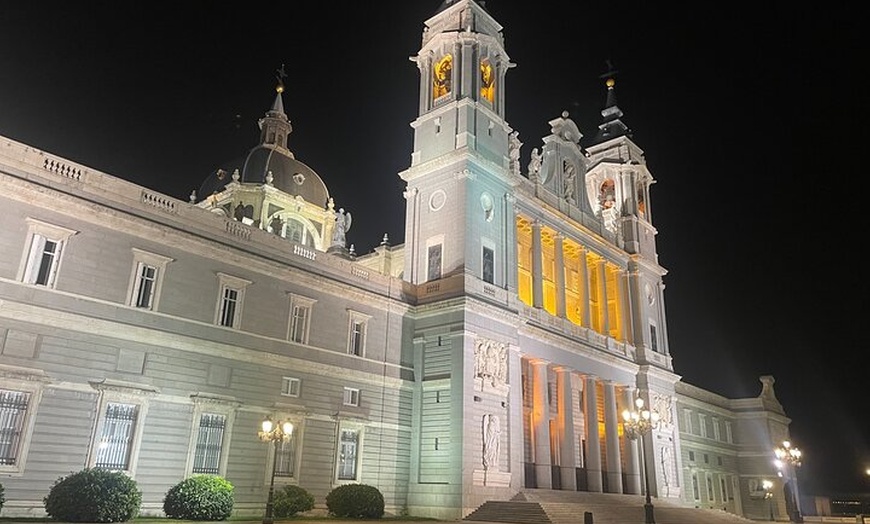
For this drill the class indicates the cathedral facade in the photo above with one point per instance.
(494, 350)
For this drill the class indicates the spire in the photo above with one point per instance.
(611, 126)
(275, 127)
(278, 104)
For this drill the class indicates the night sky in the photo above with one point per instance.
(750, 118)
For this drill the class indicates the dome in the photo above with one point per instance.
(288, 174)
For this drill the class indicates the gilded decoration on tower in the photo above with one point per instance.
(487, 80)
(442, 76)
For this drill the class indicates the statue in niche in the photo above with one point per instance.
(490, 362)
(667, 460)
(570, 173)
(491, 441)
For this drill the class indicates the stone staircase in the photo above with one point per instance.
(570, 507)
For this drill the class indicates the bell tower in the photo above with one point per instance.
(465, 157)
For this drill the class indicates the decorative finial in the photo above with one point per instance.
(280, 75)
(385, 241)
(193, 196)
(352, 250)
(269, 178)
(609, 76)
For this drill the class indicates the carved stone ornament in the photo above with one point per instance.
(490, 362)
(663, 405)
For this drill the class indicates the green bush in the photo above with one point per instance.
(291, 500)
(93, 495)
(359, 501)
(200, 497)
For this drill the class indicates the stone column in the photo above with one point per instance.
(560, 276)
(541, 424)
(537, 267)
(602, 297)
(567, 440)
(585, 319)
(593, 442)
(611, 432)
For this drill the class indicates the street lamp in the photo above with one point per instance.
(274, 434)
(767, 485)
(788, 455)
(637, 423)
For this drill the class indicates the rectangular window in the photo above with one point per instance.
(691, 456)
(143, 292)
(696, 487)
(653, 338)
(351, 397)
(116, 440)
(209, 442)
(723, 488)
(229, 302)
(711, 496)
(13, 411)
(356, 333)
(718, 461)
(148, 268)
(290, 387)
(434, 266)
(702, 424)
(42, 259)
(706, 458)
(347, 455)
(687, 421)
(285, 462)
(729, 437)
(488, 264)
(357, 338)
(716, 434)
(300, 318)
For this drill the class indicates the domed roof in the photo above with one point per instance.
(288, 174)
(271, 156)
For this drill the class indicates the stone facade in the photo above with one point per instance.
(494, 350)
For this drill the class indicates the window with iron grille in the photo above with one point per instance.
(209, 442)
(13, 411)
(116, 440)
(285, 463)
(347, 457)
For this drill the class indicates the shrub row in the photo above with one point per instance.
(99, 495)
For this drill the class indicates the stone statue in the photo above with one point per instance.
(514, 145)
(342, 224)
(491, 437)
(535, 163)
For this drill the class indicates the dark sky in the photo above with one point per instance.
(751, 118)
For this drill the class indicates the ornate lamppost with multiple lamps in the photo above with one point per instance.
(638, 423)
(274, 434)
(788, 455)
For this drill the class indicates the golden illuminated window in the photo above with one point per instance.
(442, 76)
(487, 80)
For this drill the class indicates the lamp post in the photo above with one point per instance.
(274, 434)
(767, 485)
(637, 423)
(788, 455)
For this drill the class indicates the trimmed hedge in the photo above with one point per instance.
(200, 497)
(358, 501)
(93, 495)
(291, 500)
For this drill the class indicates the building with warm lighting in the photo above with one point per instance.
(493, 351)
